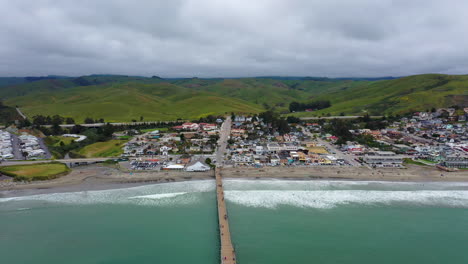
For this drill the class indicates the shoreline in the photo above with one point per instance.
(98, 177)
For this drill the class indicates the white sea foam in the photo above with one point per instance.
(156, 194)
(332, 198)
(275, 184)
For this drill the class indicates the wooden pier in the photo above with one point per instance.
(228, 254)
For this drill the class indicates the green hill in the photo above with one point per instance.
(123, 98)
(413, 93)
(126, 101)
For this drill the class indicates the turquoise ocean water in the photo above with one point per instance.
(272, 221)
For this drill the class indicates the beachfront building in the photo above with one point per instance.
(273, 147)
(242, 159)
(174, 167)
(459, 160)
(384, 159)
(198, 166)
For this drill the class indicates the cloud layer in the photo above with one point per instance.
(232, 38)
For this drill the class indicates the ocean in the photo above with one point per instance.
(272, 221)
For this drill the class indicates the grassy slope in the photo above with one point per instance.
(411, 93)
(55, 140)
(121, 98)
(40, 171)
(127, 101)
(111, 148)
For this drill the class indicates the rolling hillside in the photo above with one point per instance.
(413, 93)
(126, 101)
(123, 98)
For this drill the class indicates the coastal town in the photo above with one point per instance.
(437, 138)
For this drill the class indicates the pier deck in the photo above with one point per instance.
(228, 254)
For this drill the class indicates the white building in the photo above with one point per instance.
(198, 166)
(273, 147)
(165, 150)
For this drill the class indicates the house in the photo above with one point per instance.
(190, 126)
(237, 132)
(207, 127)
(275, 159)
(207, 149)
(165, 150)
(174, 167)
(259, 150)
(355, 149)
(289, 147)
(273, 147)
(195, 149)
(198, 166)
(242, 159)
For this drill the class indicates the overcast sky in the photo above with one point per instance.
(233, 38)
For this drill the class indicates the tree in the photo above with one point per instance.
(283, 126)
(39, 120)
(25, 123)
(208, 161)
(70, 120)
(141, 118)
(56, 119)
(56, 129)
(108, 130)
(293, 119)
(77, 129)
(89, 120)
(294, 106)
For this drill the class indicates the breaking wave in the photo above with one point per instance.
(330, 194)
(330, 199)
(176, 193)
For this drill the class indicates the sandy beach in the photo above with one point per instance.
(100, 177)
(97, 177)
(410, 173)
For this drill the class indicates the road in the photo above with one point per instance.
(44, 147)
(333, 117)
(222, 142)
(16, 147)
(119, 124)
(20, 113)
(7, 163)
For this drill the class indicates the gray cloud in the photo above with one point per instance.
(211, 38)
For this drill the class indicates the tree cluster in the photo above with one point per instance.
(40, 120)
(277, 123)
(317, 105)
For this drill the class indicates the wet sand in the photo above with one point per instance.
(99, 177)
